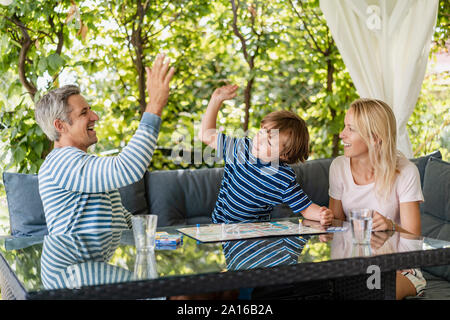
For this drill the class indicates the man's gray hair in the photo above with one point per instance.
(54, 106)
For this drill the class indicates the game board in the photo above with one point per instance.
(239, 231)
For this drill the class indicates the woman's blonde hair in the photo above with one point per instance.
(374, 120)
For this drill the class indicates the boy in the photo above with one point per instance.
(252, 185)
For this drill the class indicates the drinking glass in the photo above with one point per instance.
(144, 231)
(361, 224)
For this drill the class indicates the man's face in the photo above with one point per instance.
(267, 144)
(80, 133)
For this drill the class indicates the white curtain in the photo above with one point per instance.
(385, 46)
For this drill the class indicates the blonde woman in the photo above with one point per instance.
(374, 174)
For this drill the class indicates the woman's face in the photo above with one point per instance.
(354, 145)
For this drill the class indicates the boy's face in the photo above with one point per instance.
(268, 144)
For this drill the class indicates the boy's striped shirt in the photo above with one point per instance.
(251, 188)
(251, 254)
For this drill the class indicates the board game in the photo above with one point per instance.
(239, 231)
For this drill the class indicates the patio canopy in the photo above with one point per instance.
(385, 46)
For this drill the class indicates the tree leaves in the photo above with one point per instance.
(55, 62)
(96, 53)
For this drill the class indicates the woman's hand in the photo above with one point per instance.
(381, 223)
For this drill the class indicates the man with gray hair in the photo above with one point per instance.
(79, 191)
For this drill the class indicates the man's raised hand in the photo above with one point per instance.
(158, 79)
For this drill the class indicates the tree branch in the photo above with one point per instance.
(18, 23)
(158, 16)
(128, 37)
(26, 44)
(306, 26)
(146, 38)
(237, 32)
(139, 51)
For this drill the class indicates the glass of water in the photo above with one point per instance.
(361, 224)
(145, 266)
(144, 231)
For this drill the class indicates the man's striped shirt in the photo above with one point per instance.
(80, 192)
(251, 188)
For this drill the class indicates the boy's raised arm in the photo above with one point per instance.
(208, 132)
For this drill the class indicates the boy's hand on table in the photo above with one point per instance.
(326, 216)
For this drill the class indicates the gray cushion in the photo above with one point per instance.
(181, 197)
(134, 197)
(313, 178)
(421, 163)
(26, 214)
(435, 211)
(27, 217)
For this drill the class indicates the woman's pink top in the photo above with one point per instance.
(343, 187)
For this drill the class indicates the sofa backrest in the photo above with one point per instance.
(178, 197)
(181, 197)
(26, 214)
(435, 210)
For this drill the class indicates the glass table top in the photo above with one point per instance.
(77, 260)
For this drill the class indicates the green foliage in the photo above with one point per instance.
(100, 46)
(432, 109)
(27, 141)
(315, 251)
(26, 265)
(441, 35)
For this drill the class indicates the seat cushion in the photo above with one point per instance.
(180, 197)
(313, 178)
(435, 211)
(26, 214)
(134, 197)
(421, 163)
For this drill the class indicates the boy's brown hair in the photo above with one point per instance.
(296, 146)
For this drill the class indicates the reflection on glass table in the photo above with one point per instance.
(78, 260)
(83, 261)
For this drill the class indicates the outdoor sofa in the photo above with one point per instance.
(181, 197)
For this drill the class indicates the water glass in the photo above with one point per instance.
(144, 231)
(361, 250)
(361, 224)
(145, 266)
